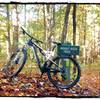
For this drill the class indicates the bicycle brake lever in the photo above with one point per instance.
(39, 41)
(57, 43)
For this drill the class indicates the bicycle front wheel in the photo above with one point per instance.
(63, 72)
(15, 63)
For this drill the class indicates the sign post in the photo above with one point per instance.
(65, 50)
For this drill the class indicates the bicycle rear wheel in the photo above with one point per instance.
(63, 72)
(15, 63)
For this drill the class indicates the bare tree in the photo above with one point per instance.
(63, 38)
(74, 24)
(8, 33)
(64, 31)
(49, 23)
(84, 50)
(25, 15)
(16, 26)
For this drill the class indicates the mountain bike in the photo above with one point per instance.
(54, 65)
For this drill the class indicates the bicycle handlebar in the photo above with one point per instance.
(25, 32)
(57, 43)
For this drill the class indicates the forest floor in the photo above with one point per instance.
(30, 84)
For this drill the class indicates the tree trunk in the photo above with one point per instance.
(15, 25)
(44, 16)
(74, 26)
(8, 34)
(52, 21)
(52, 25)
(74, 31)
(49, 24)
(47, 14)
(63, 38)
(25, 15)
(64, 31)
(84, 51)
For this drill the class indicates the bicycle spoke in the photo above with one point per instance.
(14, 63)
(65, 74)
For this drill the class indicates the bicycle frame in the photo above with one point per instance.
(34, 48)
(53, 64)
